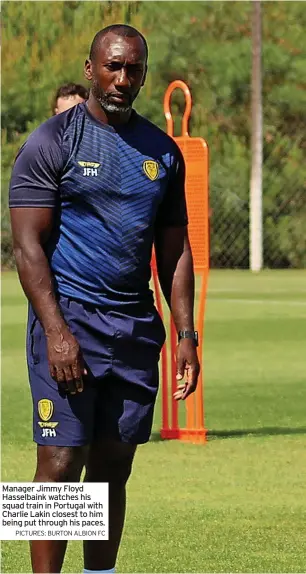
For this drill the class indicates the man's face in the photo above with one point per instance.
(63, 104)
(117, 72)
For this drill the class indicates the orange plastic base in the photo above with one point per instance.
(196, 436)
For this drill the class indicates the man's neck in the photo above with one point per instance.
(97, 112)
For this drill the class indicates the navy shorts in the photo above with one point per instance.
(121, 349)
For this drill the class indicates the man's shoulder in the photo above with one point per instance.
(54, 128)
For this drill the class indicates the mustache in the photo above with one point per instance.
(119, 94)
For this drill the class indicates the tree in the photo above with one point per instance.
(256, 244)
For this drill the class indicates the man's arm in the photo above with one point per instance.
(33, 197)
(176, 276)
(31, 228)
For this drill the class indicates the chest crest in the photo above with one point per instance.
(151, 169)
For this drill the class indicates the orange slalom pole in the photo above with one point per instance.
(173, 343)
(164, 358)
(195, 152)
(199, 391)
(190, 412)
(188, 100)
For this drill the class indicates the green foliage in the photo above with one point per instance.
(208, 45)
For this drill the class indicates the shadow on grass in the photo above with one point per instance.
(236, 433)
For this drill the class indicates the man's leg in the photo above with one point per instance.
(55, 464)
(123, 417)
(109, 461)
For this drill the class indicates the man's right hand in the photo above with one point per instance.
(65, 361)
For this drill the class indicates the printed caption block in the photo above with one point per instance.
(58, 511)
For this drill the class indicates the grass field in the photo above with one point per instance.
(236, 504)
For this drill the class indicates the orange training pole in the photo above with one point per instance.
(164, 358)
(195, 152)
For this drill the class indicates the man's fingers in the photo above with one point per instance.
(53, 372)
(63, 377)
(74, 384)
(179, 392)
(66, 380)
(189, 389)
(79, 384)
(191, 383)
(180, 369)
(188, 368)
(70, 380)
(59, 377)
(78, 371)
(185, 389)
(77, 368)
(68, 368)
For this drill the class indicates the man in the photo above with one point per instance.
(91, 190)
(68, 96)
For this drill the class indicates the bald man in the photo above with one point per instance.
(92, 189)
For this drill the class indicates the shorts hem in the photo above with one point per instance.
(85, 443)
(61, 443)
(133, 441)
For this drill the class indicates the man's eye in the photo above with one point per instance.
(132, 70)
(113, 66)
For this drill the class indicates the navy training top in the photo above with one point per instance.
(110, 189)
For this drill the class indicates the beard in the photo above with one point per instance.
(107, 105)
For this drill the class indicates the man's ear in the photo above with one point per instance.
(88, 70)
(144, 76)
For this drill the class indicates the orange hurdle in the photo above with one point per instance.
(195, 152)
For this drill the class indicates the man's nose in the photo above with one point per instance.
(122, 78)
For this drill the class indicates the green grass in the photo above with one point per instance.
(236, 504)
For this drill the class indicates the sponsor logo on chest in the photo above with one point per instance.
(90, 168)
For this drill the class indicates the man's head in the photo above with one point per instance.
(117, 67)
(68, 96)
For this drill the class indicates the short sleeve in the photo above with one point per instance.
(172, 211)
(36, 171)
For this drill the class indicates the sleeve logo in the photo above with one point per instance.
(151, 169)
(45, 409)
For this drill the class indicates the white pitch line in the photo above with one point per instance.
(261, 301)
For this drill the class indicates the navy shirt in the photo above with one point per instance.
(110, 189)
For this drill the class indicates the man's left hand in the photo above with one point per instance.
(188, 367)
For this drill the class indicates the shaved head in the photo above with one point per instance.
(122, 30)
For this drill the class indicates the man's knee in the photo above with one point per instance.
(119, 469)
(59, 464)
(110, 461)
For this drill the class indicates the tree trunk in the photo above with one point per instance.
(256, 242)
